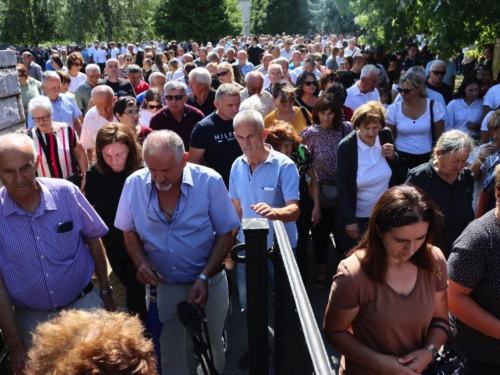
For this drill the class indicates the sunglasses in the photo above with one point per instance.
(310, 83)
(222, 74)
(172, 97)
(129, 60)
(77, 64)
(287, 99)
(406, 91)
(439, 72)
(159, 106)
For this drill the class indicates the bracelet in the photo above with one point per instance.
(479, 162)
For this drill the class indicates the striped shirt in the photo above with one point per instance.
(42, 268)
(55, 150)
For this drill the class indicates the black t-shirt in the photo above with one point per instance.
(349, 78)
(208, 106)
(475, 264)
(103, 192)
(444, 90)
(254, 55)
(120, 88)
(215, 136)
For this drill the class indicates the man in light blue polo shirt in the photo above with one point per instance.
(263, 183)
(64, 108)
(178, 220)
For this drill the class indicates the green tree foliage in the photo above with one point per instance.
(198, 19)
(327, 18)
(28, 21)
(451, 24)
(277, 16)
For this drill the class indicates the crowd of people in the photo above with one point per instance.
(151, 155)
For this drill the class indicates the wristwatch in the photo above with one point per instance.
(204, 278)
(433, 350)
(106, 292)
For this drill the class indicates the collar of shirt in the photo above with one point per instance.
(270, 158)
(364, 147)
(187, 178)
(47, 203)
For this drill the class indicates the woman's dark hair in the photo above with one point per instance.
(281, 132)
(237, 76)
(73, 57)
(325, 103)
(159, 63)
(139, 58)
(338, 90)
(57, 60)
(152, 95)
(300, 81)
(379, 54)
(398, 207)
(282, 88)
(350, 60)
(112, 133)
(326, 76)
(467, 81)
(63, 76)
(122, 103)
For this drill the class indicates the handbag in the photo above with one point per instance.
(328, 193)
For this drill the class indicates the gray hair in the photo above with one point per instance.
(201, 75)
(40, 102)
(438, 63)
(175, 85)
(451, 141)
(419, 71)
(92, 68)
(163, 140)
(249, 117)
(281, 59)
(227, 89)
(212, 55)
(368, 70)
(132, 68)
(274, 65)
(154, 75)
(415, 82)
(18, 138)
(254, 102)
(49, 75)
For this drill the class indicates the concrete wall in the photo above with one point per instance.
(11, 106)
(245, 9)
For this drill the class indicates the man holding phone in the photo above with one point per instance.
(49, 247)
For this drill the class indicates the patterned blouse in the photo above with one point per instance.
(323, 145)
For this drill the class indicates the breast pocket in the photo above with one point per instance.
(67, 245)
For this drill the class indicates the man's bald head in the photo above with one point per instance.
(157, 80)
(255, 82)
(103, 91)
(102, 97)
(18, 142)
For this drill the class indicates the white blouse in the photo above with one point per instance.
(414, 136)
(459, 114)
(372, 178)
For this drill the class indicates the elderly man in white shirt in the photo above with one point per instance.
(255, 83)
(307, 66)
(351, 49)
(365, 89)
(287, 50)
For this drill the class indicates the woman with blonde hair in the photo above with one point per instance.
(225, 74)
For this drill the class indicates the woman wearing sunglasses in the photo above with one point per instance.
(226, 75)
(126, 110)
(75, 64)
(129, 60)
(307, 91)
(414, 124)
(118, 155)
(151, 104)
(283, 98)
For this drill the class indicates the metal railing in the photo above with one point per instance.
(298, 344)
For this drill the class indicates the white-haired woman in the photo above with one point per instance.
(415, 121)
(449, 183)
(61, 153)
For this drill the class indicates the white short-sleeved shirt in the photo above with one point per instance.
(484, 124)
(356, 98)
(372, 178)
(100, 56)
(75, 82)
(92, 122)
(492, 97)
(459, 114)
(414, 136)
(114, 53)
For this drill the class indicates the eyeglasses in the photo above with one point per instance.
(406, 91)
(159, 106)
(309, 83)
(77, 64)
(331, 80)
(132, 113)
(287, 99)
(154, 216)
(439, 72)
(42, 118)
(222, 74)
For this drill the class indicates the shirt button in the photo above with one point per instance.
(171, 251)
(46, 275)
(51, 292)
(173, 268)
(41, 256)
(37, 237)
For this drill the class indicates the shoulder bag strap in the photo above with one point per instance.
(304, 112)
(434, 140)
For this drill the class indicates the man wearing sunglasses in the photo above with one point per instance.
(177, 221)
(177, 115)
(436, 80)
(365, 89)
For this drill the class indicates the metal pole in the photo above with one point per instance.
(255, 231)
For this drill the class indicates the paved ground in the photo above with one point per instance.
(236, 326)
